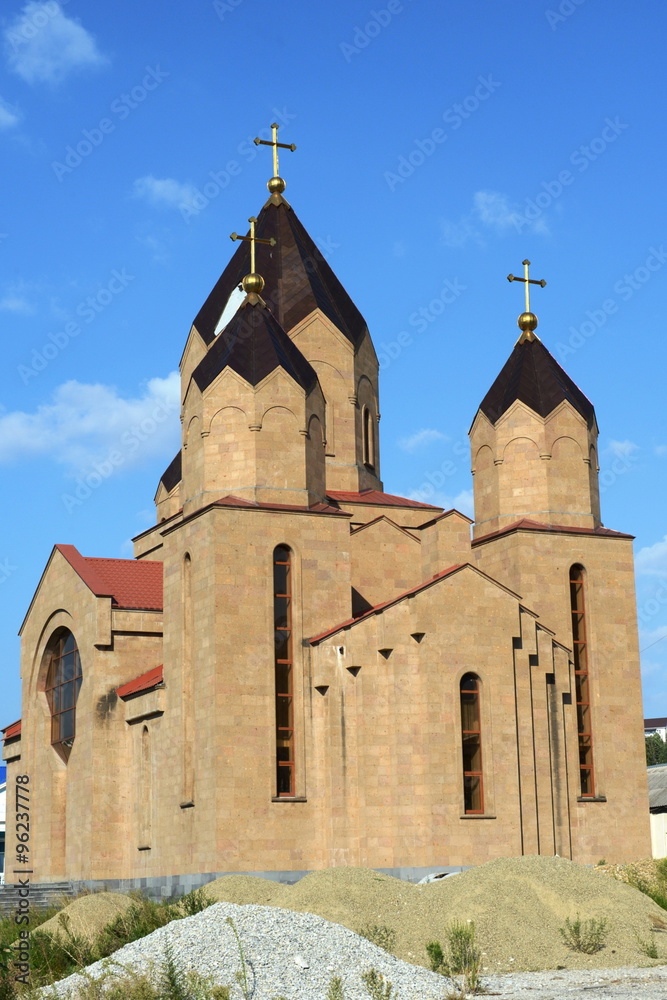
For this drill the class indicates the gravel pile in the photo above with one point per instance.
(290, 954)
(298, 937)
(517, 905)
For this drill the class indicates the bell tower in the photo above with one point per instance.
(534, 441)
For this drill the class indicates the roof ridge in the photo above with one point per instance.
(294, 291)
(532, 376)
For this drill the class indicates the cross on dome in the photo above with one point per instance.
(276, 184)
(527, 321)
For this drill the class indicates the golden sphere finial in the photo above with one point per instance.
(527, 321)
(253, 283)
(276, 185)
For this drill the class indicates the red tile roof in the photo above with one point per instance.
(130, 583)
(143, 683)
(525, 524)
(376, 498)
(11, 731)
(386, 604)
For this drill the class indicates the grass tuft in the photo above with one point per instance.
(460, 961)
(377, 986)
(381, 935)
(584, 936)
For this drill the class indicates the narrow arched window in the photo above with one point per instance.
(284, 670)
(471, 732)
(368, 438)
(581, 652)
(63, 680)
(145, 791)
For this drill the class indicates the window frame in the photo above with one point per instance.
(55, 684)
(368, 438)
(468, 773)
(582, 681)
(284, 699)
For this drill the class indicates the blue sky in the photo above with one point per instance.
(439, 144)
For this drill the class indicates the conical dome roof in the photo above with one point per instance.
(253, 344)
(532, 375)
(298, 278)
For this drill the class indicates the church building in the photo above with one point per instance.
(298, 670)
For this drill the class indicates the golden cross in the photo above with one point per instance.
(252, 239)
(528, 281)
(276, 145)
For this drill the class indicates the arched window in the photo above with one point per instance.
(284, 670)
(63, 680)
(581, 677)
(471, 732)
(368, 438)
(145, 791)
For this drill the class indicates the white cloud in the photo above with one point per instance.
(491, 213)
(420, 439)
(620, 449)
(8, 116)
(43, 45)
(661, 449)
(16, 304)
(652, 559)
(463, 501)
(167, 192)
(84, 424)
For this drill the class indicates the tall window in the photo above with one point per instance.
(581, 650)
(63, 680)
(284, 672)
(471, 731)
(369, 438)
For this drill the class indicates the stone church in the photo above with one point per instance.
(299, 670)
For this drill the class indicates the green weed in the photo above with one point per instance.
(585, 936)
(381, 935)
(647, 946)
(461, 958)
(335, 991)
(377, 987)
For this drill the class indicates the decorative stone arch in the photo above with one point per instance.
(192, 431)
(521, 448)
(277, 410)
(219, 417)
(335, 390)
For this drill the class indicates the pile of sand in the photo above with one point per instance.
(87, 915)
(517, 905)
